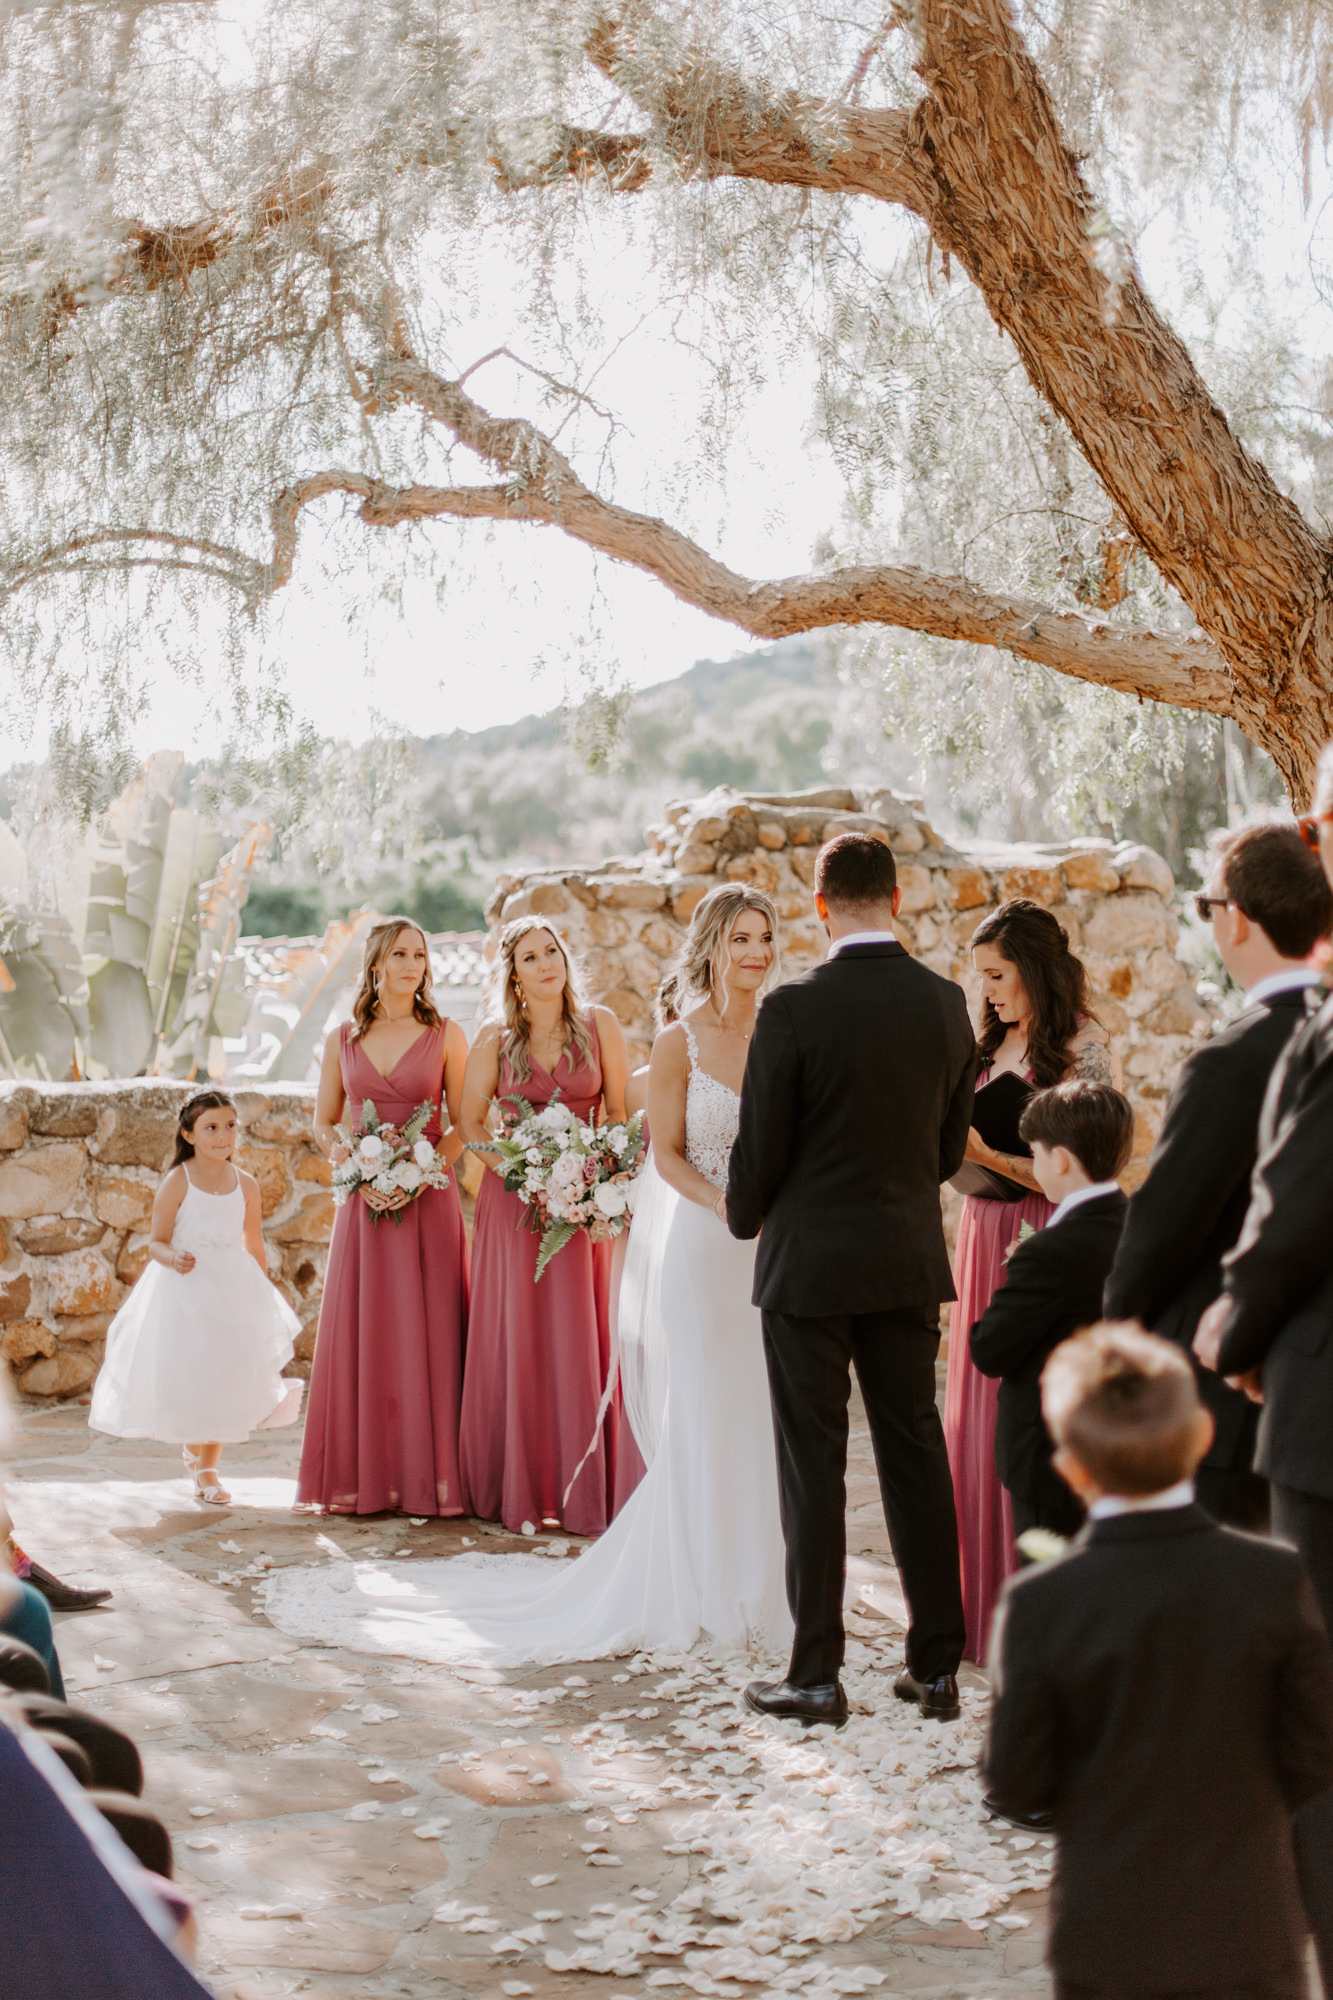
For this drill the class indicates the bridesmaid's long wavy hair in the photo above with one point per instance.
(379, 943)
(1056, 984)
(189, 1115)
(699, 970)
(507, 1000)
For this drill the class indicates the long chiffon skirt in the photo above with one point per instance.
(985, 1520)
(385, 1389)
(538, 1356)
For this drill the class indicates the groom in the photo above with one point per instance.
(856, 1106)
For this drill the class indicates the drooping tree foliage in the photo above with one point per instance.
(254, 258)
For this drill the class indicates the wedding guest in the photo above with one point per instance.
(1272, 1324)
(1268, 903)
(1080, 1135)
(1037, 1024)
(538, 1352)
(386, 1386)
(1165, 1693)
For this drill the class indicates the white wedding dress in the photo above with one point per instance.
(696, 1551)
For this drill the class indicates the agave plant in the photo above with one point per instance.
(153, 978)
(293, 988)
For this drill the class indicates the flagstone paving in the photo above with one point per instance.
(360, 1824)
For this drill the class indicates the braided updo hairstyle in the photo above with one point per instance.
(1036, 944)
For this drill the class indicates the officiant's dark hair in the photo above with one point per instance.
(855, 871)
(1092, 1121)
(1037, 945)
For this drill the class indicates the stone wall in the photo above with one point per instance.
(626, 918)
(79, 1166)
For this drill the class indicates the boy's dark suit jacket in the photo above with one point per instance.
(1166, 1690)
(1052, 1286)
(1279, 1277)
(1190, 1210)
(857, 1101)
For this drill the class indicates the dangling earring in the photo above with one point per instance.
(522, 998)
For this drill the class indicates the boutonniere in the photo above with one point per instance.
(1025, 1229)
(1321, 959)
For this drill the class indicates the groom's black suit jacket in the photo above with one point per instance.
(856, 1106)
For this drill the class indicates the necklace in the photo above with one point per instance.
(722, 1027)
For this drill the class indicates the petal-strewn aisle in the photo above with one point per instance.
(361, 1824)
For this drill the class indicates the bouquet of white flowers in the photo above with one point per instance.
(572, 1176)
(392, 1159)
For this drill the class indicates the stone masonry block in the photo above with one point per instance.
(122, 1202)
(268, 1164)
(44, 1181)
(1127, 923)
(1092, 871)
(53, 1235)
(312, 1223)
(81, 1282)
(23, 1338)
(15, 1295)
(918, 888)
(15, 1109)
(62, 1374)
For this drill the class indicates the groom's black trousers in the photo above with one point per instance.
(809, 1372)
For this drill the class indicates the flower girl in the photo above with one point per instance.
(197, 1350)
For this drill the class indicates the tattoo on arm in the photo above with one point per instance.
(1093, 1063)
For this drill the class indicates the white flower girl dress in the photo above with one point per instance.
(199, 1356)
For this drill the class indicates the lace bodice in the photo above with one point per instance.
(712, 1119)
(209, 1221)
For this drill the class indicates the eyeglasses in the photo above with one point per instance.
(1205, 905)
(1308, 826)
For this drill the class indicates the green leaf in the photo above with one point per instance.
(555, 1239)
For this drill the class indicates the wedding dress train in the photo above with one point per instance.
(698, 1548)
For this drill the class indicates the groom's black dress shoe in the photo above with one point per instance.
(1037, 1822)
(937, 1699)
(63, 1596)
(809, 1705)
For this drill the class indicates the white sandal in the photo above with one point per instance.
(207, 1485)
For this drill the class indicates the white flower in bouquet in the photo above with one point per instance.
(617, 1139)
(370, 1149)
(567, 1174)
(609, 1199)
(424, 1155)
(409, 1176)
(386, 1182)
(555, 1117)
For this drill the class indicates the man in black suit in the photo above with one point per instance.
(1268, 903)
(1165, 1693)
(1081, 1135)
(856, 1107)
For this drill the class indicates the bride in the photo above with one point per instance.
(698, 1548)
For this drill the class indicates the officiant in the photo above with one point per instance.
(1036, 1028)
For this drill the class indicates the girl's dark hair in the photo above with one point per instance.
(1053, 979)
(190, 1113)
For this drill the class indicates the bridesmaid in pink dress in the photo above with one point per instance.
(382, 1416)
(1035, 1020)
(538, 1353)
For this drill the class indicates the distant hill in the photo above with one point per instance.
(526, 793)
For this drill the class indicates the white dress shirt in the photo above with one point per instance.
(1112, 1504)
(1281, 982)
(860, 937)
(1072, 1201)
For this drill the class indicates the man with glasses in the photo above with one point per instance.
(1268, 903)
(1272, 1329)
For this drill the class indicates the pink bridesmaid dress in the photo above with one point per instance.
(538, 1353)
(382, 1415)
(985, 1519)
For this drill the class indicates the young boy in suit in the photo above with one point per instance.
(1165, 1692)
(1080, 1135)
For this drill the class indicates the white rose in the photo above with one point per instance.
(609, 1199)
(553, 1118)
(424, 1155)
(617, 1141)
(408, 1176)
(371, 1148)
(567, 1173)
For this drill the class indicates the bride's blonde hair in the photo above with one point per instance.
(507, 1005)
(699, 969)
